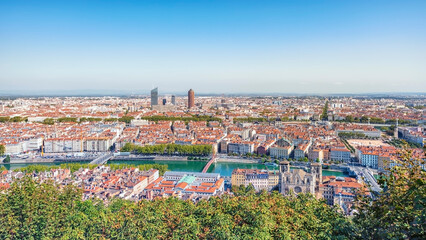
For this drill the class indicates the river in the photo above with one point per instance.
(224, 168)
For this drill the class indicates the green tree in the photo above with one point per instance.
(7, 159)
(126, 119)
(2, 150)
(33, 210)
(349, 118)
(48, 121)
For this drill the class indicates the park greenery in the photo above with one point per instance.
(90, 119)
(352, 135)
(401, 143)
(250, 120)
(169, 149)
(67, 119)
(126, 119)
(13, 119)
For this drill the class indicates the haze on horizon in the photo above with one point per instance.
(213, 46)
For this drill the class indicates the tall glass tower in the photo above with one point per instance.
(173, 99)
(154, 96)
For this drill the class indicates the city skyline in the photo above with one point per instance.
(222, 47)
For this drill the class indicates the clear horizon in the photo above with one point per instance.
(229, 47)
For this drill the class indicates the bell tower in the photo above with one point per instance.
(316, 169)
(284, 166)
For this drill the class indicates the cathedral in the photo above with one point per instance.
(298, 180)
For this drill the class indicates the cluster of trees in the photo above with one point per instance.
(13, 119)
(348, 146)
(162, 168)
(6, 159)
(324, 114)
(48, 121)
(420, 107)
(197, 158)
(2, 149)
(169, 149)
(2, 152)
(388, 130)
(401, 143)
(250, 155)
(90, 119)
(193, 118)
(51, 121)
(67, 119)
(364, 119)
(126, 119)
(399, 212)
(400, 121)
(250, 119)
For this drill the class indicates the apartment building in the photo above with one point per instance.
(260, 179)
(340, 154)
(301, 151)
(242, 147)
(339, 191)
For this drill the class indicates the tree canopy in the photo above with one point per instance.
(2, 150)
(32, 210)
(169, 149)
(399, 212)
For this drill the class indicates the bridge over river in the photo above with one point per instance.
(212, 160)
(102, 159)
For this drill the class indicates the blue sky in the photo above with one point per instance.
(213, 46)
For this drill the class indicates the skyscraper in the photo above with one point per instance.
(191, 98)
(154, 96)
(164, 101)
(173, 99)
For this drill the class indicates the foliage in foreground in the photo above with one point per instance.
(41, 211)
(399, 212)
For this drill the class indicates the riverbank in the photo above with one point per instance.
(224, 165)
(236, 160)
(115, 158)
(47, 160)
(134, 157)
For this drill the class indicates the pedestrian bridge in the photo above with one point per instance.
(102, 159)
(212, 160)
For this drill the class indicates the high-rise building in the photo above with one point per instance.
(191, 97)
(154, 96)
(164, 101)
(173, 99)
